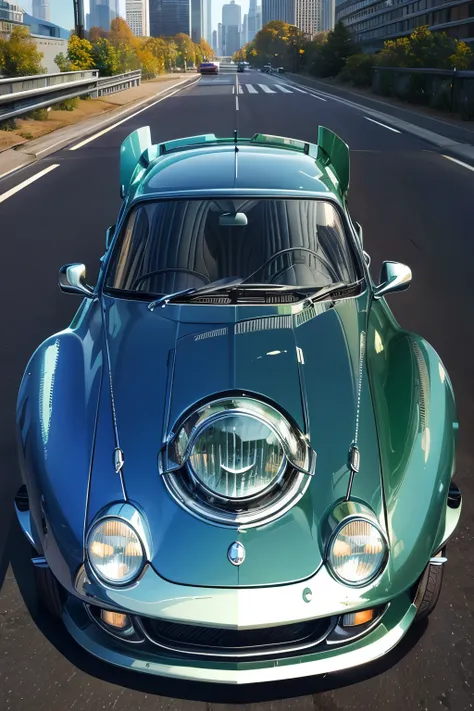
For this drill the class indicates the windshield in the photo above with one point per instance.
(169, 245)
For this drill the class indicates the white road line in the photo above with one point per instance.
(282, 88)
(267, 89)
(111, 128)
(25, 184)
(241, 91)
(236, 102)
(389, 128)
(251, 89)
(459, 162)
(316, 96)
(233, 89)
(295, 88)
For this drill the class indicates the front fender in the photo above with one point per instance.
(56, 420)
(417, 430)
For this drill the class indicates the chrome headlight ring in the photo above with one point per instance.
(380, 554)
(118, 533)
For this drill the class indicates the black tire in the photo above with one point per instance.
(431, 593)
(50, 593)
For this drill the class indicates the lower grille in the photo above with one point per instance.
(218, 642)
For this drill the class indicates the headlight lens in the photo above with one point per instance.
(357, 552)
(237, 456)
(115, 551)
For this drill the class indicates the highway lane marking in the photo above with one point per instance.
(25, 183)
(282, 88)
(266, 89)
(459, 162)
(241, 91)
(295, 88)
(315, 96)
(233, 89)
(389, 128)
(251, 89)
(119, 123)
(236, 102)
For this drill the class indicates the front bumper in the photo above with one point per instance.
(139, 657)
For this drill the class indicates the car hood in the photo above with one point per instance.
(307, 363)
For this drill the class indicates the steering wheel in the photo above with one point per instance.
(319, 257)
(148, 275)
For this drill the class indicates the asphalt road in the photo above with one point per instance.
(416, 207)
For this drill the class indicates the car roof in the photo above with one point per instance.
(220, 168)
(263, 165)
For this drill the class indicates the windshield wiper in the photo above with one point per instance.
(208, 289)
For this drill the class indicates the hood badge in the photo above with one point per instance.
(118, 460)
(236, 553)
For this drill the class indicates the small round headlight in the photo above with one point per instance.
(115, 551)
(357, 552)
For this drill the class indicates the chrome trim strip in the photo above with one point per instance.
(270, 652)
(40, 562)
(25, 523)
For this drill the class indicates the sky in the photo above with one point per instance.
(62, 13)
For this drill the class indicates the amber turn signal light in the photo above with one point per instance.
(115, 619)
(358, 618)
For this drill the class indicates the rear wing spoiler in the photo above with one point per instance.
(334, 153)
(137, 152)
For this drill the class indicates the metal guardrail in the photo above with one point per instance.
(20, 95)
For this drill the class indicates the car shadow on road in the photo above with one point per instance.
(177, 689)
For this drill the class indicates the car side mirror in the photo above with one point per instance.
(393, 277)
(72, 280)
(109, 236)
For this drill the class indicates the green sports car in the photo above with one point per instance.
(237, 467)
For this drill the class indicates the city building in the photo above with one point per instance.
(9, 13)
(214, 41)
(374, 21)
(252, 20)
(41, 9)
(170, 17)
(207, 23)
(259, 19)
(219, 39)
(101, 13)
(284, 10)
(138, 17)
(308, 16)
(231, 25)
(244, 34)
(196, 20)
(328, 14)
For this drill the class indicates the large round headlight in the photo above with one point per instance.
(357, 552)
(115, 551)
(237, 456)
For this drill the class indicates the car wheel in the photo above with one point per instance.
(433, 582)
(50, 593)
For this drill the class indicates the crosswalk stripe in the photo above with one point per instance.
(282, 88)
(251, 89)
(267, 89)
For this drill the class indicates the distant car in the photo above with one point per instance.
(242, 66)
(237, 466)
(209, 68)
(267, 69)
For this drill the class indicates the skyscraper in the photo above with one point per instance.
(102, 12)
(170, 17)
(284, 10)
(214, 41)
(231, 24)
(308, 16)
(219, 39)
(41, 9)
(245, 34)
(328, 13)
(252, 21)
(258, 21)
(138, 17)
(208, 20)
(196, 20)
